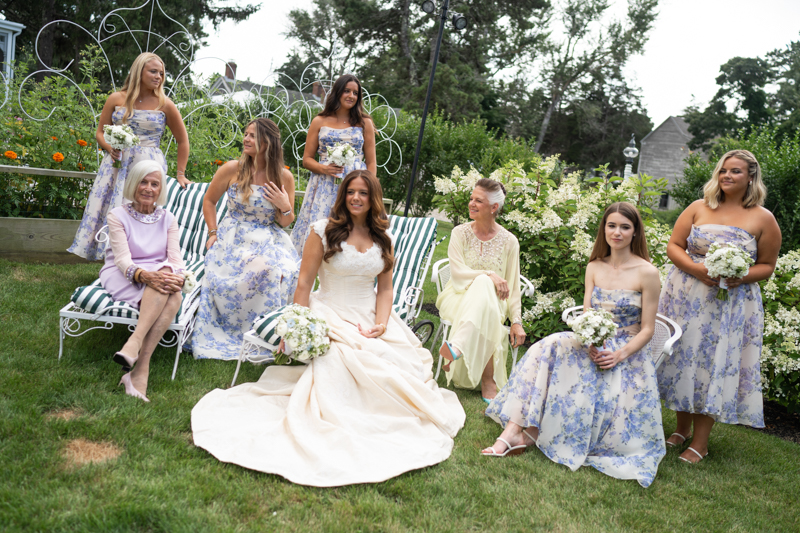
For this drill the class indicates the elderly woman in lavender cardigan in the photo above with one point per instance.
(143, 266)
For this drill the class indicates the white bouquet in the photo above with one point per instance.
(120, 137)
(594, 327)
(342, 154)
(189, 281)
(304, 334)
(726, 260)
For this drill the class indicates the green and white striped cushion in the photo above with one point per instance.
(265, 325)
(414, 236)
(94, 298)
(187, 206)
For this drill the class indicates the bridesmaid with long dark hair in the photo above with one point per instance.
(343, 120)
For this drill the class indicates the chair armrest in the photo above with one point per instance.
(570, 311)
(438, 265)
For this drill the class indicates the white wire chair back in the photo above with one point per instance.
(666, 333)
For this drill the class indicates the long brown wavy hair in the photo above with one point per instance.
(638, 243)
(333, 103)
(340, 224)
(133, 82)
(266, 133)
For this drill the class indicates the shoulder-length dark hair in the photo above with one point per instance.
(638, 244)
(340, 224)
(333, 103)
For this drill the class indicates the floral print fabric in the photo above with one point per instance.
(321, 189)
(106, 193)
(607, 419)
(715, 366)
(250, 270)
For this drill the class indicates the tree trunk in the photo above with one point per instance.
(47, 38)
(546, 121)
(404, 44)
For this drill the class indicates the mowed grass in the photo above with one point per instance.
(79, 455)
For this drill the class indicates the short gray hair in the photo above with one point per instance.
(494, 191)
(138, 173)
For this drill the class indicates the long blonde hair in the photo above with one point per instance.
(266, 133)
(133, 82)
(756, 191)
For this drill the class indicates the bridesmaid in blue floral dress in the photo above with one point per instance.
(343, 105)
(142, 104)
(714, 372)
(587, 407)
(251, 266)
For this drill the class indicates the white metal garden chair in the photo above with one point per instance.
(92, 303)
(666, 334)
(440, 276)
(414, 245)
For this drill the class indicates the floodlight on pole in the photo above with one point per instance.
(459, 23)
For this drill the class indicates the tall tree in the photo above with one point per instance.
(587, 45)
(62, 43)
(742, 82)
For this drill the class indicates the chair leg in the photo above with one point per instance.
(238, 366)
(60, 338)
(177, 357)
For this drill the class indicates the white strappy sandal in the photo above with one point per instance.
(510, 450)
(696, 453)
(673, 444)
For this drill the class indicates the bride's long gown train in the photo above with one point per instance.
(364, 412)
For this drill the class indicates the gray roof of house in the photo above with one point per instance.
(664, 149)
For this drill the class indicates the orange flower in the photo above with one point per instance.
(219, 162)
(81, 142)
(58, 157)
(287, 167)
(81, 167)
(54, 138)
(11, 155)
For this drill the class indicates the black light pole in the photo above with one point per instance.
(460, 23)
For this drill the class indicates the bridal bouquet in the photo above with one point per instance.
(120, 137)
(726, 260)
(594, 327)
(341, 154)
(304, 334)
(189, 281)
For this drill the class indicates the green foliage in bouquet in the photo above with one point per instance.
(555, 218)
(780, 356)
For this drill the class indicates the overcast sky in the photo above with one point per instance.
(689, 42)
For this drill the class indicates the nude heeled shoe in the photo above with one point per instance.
(122, 359)
(130, 390)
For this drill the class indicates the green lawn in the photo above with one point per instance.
(161, 482)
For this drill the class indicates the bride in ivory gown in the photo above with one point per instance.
(367, 410)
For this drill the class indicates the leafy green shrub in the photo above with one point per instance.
(555, 219)
(780, 356)
(780, 167)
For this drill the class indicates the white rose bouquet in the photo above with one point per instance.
(726, 260)
(341, 154)
(304, 334)
(594, 327)
(120, 137)
(189, 281)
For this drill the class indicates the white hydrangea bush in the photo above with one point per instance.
(554, 214)
(780, 354)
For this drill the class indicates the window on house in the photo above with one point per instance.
(664, 201)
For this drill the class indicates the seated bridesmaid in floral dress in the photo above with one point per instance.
(251, 265)
(714, 374)
(143, 265)
(590, 406)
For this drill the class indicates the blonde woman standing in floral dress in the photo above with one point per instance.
(714, 374)
(483, 291)
(141, 104)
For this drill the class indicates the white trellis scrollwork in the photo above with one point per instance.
(291, 107)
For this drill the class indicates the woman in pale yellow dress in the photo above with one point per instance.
(483, 292)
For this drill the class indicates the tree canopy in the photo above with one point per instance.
(534, 69)
(62, 43)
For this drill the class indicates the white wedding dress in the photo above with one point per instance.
(364, 412)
